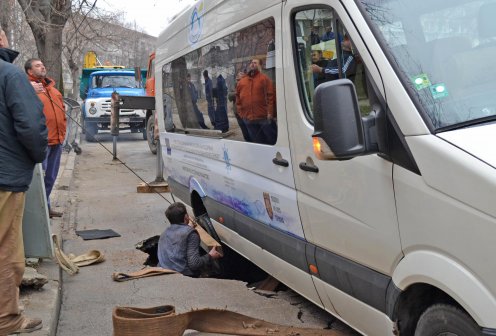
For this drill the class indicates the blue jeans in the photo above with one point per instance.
(51, 166)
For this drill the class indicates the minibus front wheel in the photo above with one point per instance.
(445, 319)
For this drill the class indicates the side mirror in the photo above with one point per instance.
(338, 126)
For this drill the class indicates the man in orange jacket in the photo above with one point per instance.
(255, 104)
(54, 110)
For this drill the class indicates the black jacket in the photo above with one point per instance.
(23, 132)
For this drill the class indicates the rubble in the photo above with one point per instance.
(33, 279)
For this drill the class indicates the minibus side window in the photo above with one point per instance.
(227, 88)
(324, 53)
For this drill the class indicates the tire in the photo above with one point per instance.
(217, 265)
(143, 132)
(444, 319)
(148, 134)
(91, 131)
(205, 223)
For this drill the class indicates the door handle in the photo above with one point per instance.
(310, 168)
(280, 162)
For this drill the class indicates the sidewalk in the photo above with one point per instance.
(45, 302)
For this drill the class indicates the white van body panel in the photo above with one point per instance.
(453, 278)
(477, 186)
(432, 224)
(360, 316)
(237, 188)
(478, 141)
(223, 17)
(339, 204)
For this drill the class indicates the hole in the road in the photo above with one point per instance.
(232, 266)
(236, 267)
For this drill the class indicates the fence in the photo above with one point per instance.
(73, 112)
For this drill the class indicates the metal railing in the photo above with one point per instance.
(73, 112)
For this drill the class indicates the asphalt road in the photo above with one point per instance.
(103, 196)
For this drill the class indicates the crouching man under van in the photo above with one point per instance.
(179, 245)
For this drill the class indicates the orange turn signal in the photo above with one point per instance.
(316, 145)
(313, 269)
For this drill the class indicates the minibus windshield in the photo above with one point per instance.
(444, 52)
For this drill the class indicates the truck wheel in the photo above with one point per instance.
(150, 128)
(444, 319)
(143, 130)
(91, 131)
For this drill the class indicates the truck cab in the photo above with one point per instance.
(96, 90)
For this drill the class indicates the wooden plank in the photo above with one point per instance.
(153, 187)
(207, 241)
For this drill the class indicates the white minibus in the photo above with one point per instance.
(346, 147)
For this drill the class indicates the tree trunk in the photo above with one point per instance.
(52, 56)
(47, 19)
(75, 79)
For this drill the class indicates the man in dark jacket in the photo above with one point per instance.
(221, 120)
(179, 244)
(209, 95)
(23, 142)
(194, 99)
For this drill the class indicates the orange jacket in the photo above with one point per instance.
(255, 97)
(54, 110)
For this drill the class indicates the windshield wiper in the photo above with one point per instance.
(467, 123)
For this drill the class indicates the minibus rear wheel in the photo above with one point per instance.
(444, 319)
(204, 221)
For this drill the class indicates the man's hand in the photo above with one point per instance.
(240, 75)
(316, 68)
(38, 87)
(214, 254)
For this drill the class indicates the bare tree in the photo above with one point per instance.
(47, 19)
(18, 31)
(93, 29)
(89, 28)
(33, 31)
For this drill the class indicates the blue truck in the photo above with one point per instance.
(96, 87)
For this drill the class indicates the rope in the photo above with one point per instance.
(108, 150)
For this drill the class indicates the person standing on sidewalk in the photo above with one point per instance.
(255, 104)
(209, 95)
(23, 142)
(54, 109)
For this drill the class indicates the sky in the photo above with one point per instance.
(151, 15)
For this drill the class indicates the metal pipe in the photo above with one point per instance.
(114, 121)
(160, 164)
